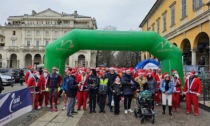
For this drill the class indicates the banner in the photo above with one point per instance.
(14, 104)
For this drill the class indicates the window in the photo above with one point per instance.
(2, 40)
(164, 22)
(37, 32)
(13, 33)
(158, 26)
(13, 43)
(148, 29)
(197, 4)
(172, 16)
(47, 33)
(37, 43)
(153, 27)
(184, 13)
(46, 43)
(28, 32)
(65, 32)
(28, 43)
(56, 33)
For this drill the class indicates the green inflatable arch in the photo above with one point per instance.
(169, 55)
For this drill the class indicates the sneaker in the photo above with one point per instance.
(126, 111)
(39, 107)
(157, 104)
(48, 106)
(70, 115)
(64, 108)
(51, 109)
(195, 114)
(55, 109)
(130, 110)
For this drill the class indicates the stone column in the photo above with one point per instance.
(193, 50)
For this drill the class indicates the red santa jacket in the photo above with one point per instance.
(43, 85)
(33, 83)
(28, 76)
(83, 80)
(177, 85)
(195, 87)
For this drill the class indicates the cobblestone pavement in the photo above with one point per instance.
(14, 88)
(178, 119)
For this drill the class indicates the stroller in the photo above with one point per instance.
(144, 107)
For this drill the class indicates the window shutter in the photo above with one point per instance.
(194, 2)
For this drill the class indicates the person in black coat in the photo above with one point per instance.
(111, 76)
(92, 84)
(71, 93)
(127, 87)
(116, 89)
(21, 76)
(1, 86)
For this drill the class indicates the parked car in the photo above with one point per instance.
(11, 72)
(7, 79)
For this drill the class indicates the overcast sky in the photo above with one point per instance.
(123, 14)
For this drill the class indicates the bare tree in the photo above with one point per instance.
(106, 58)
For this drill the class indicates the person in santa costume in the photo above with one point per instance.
(35, 84)
(45, 91)
(29, 74)
(167, 87)
(192, 89)
(42, 90)
(158, 78)
(82, 94)
(177, 90)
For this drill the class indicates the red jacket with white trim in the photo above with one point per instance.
(177, 85)
(195, 87)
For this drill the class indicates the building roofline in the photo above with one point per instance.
(150, 12)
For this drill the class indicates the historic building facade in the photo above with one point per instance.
(186, 23)
(27, 36)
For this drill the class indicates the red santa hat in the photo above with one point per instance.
(141, 72)
(111, 68)
(174, 71)
(117, 78)
(128, 70)
(73, 71)
(149, 73)
(165, 75)
(192, 72)
(31, 67)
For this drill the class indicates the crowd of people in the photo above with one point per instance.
(109, 86)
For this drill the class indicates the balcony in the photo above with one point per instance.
(32, 48)
(12, 48)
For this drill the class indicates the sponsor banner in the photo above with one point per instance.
(14, 104)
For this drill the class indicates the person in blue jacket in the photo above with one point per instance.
(65, 87)
(167, 87)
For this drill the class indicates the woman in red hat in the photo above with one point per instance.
(167, 87)
(177, 89)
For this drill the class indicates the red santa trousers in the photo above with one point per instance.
(157, 96)
(175, 100)
(194, 99)
(45, 98)
(82, 99)
(35, 101)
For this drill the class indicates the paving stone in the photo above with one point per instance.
(59, 119)
(71, 121)
(38, 123)
(178, 118)
(55, 124)
(48, 117)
